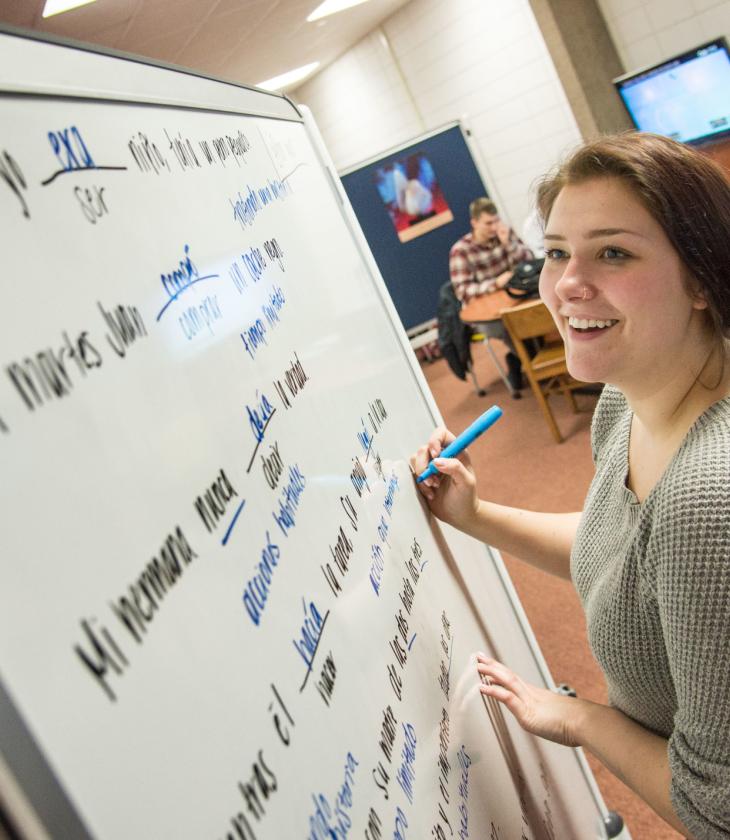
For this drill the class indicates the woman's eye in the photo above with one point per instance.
(614, 254)
(555, 254)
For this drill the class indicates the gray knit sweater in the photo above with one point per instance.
(654, 579)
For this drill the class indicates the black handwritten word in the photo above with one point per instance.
(285, 516)
(373, 830)
(260, 786)
(226, 147)
(358, 477)
(400, 644)
(147, 155)
(105, 655)
(279, 703)
(3, 427)
(135, 610)
(328, 822)
(126, 326)
(350, 510)
(211, 506)
(326, 681)
(443, 766)
(70, 150)
(13, 177)
(464, 763)
(340, 552)
(274, 252)
(413, 566)
(444, 678)
(183, 150)
(381, 777)
(387, 733)
(272, 466)
(406, 774)
(377, 414)
(92, 203)
(47, 373)
(295, 378)
(255, 792)
(256, 591)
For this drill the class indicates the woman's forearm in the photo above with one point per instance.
(636, 755)
(542, 539)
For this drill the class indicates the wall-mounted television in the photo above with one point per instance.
(686, 98)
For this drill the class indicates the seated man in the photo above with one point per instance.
(483, 261)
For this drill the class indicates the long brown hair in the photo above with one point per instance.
(685, 191)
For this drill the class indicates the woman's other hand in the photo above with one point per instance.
(537, 710)
(451, 493)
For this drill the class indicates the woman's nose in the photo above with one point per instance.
(574, 284)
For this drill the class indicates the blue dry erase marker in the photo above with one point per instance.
(481, 424)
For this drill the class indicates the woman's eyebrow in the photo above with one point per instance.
(594, 234)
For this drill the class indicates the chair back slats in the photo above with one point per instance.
(546, 369)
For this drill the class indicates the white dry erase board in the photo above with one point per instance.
(224, 612)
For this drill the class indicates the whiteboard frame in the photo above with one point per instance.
(31, 793)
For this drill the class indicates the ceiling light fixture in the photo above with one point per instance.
(287, 79)
(331, 7)
(55, 7)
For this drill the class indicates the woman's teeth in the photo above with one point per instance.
(590, 323)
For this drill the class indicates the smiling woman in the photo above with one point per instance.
(637, 278)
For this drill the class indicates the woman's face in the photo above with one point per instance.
(614, 285)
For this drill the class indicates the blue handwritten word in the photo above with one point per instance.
(256, 591)
(390, 494)
(258, 416)
(406, 774)
(254, 336)
(196, 318)
(246, 208)
(273, 306)
(289, 500)
(464, 763)
(70, 151)
(327, 823)
(383, 528)
(376, 568)
(180, 279)
(401, 823)
(309, 633)
(364, 438)
(255, 263)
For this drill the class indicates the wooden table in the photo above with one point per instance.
(481, 312)
(485, 308)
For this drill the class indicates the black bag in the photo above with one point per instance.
(525, 279)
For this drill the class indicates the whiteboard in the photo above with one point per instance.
(225, 612)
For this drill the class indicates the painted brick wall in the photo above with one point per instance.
(484, 59)
(648, 31)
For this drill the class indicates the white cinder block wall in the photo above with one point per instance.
(649, 31)
(436, 61)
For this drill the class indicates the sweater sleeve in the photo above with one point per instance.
(692, 538)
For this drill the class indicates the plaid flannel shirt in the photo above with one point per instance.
(474, 268)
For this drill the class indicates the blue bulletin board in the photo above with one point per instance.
(414, 270)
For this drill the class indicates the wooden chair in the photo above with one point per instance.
(546, 371)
